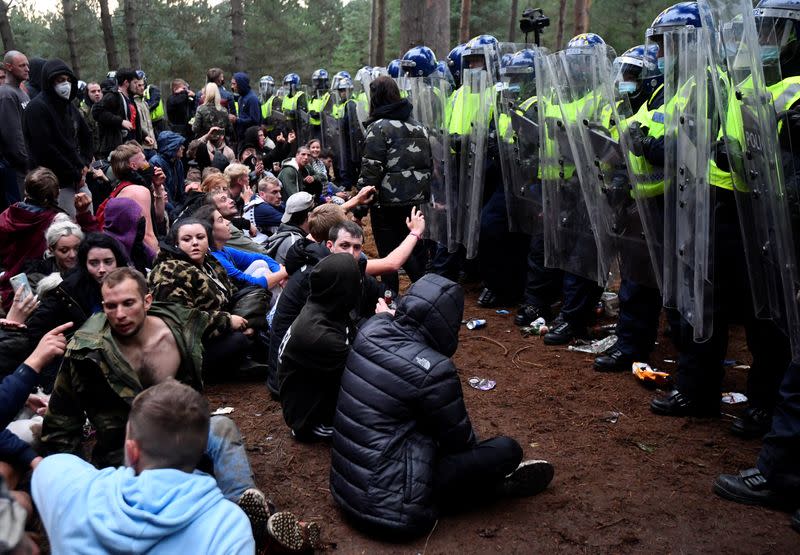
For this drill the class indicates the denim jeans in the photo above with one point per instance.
(227, 453)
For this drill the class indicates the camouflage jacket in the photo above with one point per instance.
(175, 279)
(96, 382)
(397, 158)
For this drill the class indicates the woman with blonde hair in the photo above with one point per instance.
(211, 114)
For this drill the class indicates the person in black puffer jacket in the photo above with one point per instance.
(397, 161)
(403, 444)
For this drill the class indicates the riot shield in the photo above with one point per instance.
(762, 161)
(332, 138)
(356, 135)
(568, 238)
(518, 142)
(277, 119)
(688, 196)
(429, 97)
(473, 109)
(302, 126)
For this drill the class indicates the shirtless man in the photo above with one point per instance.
(134, 344)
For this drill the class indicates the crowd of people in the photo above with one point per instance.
(152, 244)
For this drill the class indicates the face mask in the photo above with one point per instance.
(770, 54)
(661, 65)
(63, 89)
(626, 87)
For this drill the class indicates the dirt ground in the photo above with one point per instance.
(639, 485)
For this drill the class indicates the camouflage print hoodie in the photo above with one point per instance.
(397, 156)
(96, 381)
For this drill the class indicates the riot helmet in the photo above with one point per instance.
(291, 82)
(682, 14)
(394, 69)
(480, 53)
(634, 72)
(266, 86)
(778, 26)
(319, 79)
(454, 63)
(141, 75)
(518, 75)
(419, 61)
(379, 71)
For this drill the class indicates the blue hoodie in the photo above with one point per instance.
(167, 511)
(168, 144)
(249, 109)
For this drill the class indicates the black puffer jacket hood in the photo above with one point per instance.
(432, 308)
(336, 283)
(35, 66)
(52, 69)
(397, 111)
(304, 252)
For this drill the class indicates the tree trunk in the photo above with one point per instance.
(377, 34)
(636, 9)
(108, 36)
(68, 8)
(582, 8)
(512, 21)
(237, 35)
(427, 23)
(132, 34)
(5, 28)
(463, 27)
(562, 15)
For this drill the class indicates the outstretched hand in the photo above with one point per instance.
(51, 346)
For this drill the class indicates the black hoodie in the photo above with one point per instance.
(312, 356)
(55, 132)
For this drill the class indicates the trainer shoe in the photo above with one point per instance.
(527, 313)
(258, 509)
(285, 530)
(319, 432)
(529, 478)
(562, 334)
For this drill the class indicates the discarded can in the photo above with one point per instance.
(502, 312)
(539, 322)
(610, 302)
(476, 323)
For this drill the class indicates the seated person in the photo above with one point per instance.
(23, 226)
(266, 208)
(157, 502)
(244, 268)
(239, 188)
(343, 236)
(125, 222)
(312, 354)
(402, 427)
(74, 300)
(293, 226)
(16, 512)
(62, 237)
(134, 344)
(243, 233)
(215, 181)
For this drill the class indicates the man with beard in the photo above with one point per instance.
(116, 114)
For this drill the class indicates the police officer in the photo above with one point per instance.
(295, 98)
(700, 369)
(639, 80)
(344, 111)
(152, 95)
(320, 102)
(775, 481)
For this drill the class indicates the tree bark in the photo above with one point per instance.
(68, 8)
(512, 21)
(425, 23)
(377, 34)
(562, 15)
(6, 33)
(463, 27)
(237, 35)
(132, 34)
(108, 36)
(582, 8)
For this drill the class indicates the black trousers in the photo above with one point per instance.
(779, 460)
(389, 228)
(225, 353)
(700, 367)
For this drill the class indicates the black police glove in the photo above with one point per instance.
(639, 139)
(313, 114)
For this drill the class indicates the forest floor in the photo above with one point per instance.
(639, 483)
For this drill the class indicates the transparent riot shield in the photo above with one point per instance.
(332, 138)
(568, 237)
(688, 196)
(473, 110)
(429, 97)
(760, 155)
(518, 141)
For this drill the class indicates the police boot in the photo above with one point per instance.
(676, 403)
(562, 334)
(750, 487)
(613, 360)
(488, 298)
(755, 422)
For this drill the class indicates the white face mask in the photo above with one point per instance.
(63, 89)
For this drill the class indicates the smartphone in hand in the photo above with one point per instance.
(21, 280)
